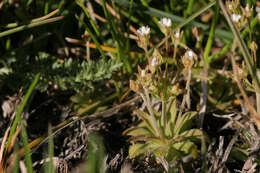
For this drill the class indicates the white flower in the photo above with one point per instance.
(257, 9)
(230, 6)
(258, 16)
(190, 54)
(143, 31)
(236, 17)
(165, 22)
(154, 62)
(143, 73)
(177, 34)
(247, 8)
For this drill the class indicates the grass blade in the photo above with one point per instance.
(31, 25)
(28, 159)
(80, 3)
(20, 110)
(93, 37)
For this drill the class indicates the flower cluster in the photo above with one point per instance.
(241, 15)
(165, 25)
(143, 36)
(188, 58)
(154, 77)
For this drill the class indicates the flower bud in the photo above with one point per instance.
(247, 11)
(188, 58)
(143, 36)
(165, 24)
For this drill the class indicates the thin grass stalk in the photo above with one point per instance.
(50, 151)
(16, 159)
(3, 145)
(110, 21)
(211, 36)
(16, 134)
(81, 4)
(189, 9)
(20, 110)
(93, 37)
(116, 36)
(13, 25)
(28, 159)
(31, 25)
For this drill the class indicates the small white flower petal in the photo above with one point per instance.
(236, 17)
(144, 30)
(154, 62)
(230, 7)
(190, 54)
(247, 8)
(143, 73)
(165, 22)
(177, 35)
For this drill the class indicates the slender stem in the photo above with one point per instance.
(250, 29)
(258, 98)
(164, 118)
(187, 88)
(251, 109)
(148, 104)
(166, 66)
(12, 25)
(31, 25)
(203, 99)
(146, 52)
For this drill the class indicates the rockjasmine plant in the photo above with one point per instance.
(167, 133)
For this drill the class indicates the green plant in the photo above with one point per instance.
(168, 134)
(178, 137)
(67, 74)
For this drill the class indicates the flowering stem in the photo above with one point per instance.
(187, 95)
(164, 118)
(250, 29)
(146, 52)
(166, 66)
(147, 102)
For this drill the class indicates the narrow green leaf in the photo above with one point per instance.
(31, 25)
(136, 150)
(28, 159)
(192, 134)
(93, 37)
(20, 110)
(184, 122)
(81, 4)
(50, 150)
(182, 21)
(140, 130)
(148, 120)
